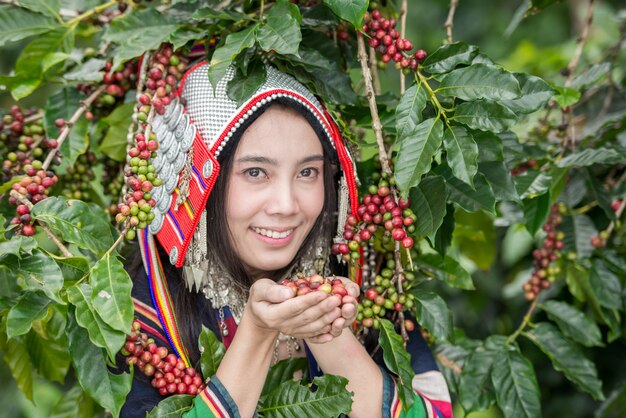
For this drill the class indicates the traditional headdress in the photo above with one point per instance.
(192, 132)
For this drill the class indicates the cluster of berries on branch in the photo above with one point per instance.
(168, 372)
(117, 82)
(386, 40)
(23, 137)
(386, 222)
(600, 240)
(164, 71)
(544, 271)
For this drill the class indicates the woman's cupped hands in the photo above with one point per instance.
(317, 316)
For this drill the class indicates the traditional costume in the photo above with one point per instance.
(193, 132)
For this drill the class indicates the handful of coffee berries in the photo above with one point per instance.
(301, 285)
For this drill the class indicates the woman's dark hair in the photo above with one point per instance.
(186, 303)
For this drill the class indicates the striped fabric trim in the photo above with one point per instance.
(157, 333)
(212, 403)
(395, 409)
(432, 387)
(147, 312)
(161, 298)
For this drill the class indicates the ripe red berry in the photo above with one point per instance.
(420, 55)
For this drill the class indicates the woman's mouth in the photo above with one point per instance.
(273, 234)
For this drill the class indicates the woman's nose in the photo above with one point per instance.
(283, 200)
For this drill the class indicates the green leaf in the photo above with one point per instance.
(172, 407)
(110, 295)
(447, 57)
(139, 32)
(76, 222)
(74, 403)
(224, 55)
(334, 85)
(428, 200)
(409, 111)
(566, 96)
(516, 386)
(284, 371)
(484, 115)
(446, 269)
(50, 357)
(72, 268)
(578, 233)
(35, 61)
(114, 143)
(17, 358)
(416, 153)
(500, 180)
(536, 211)
(31, 307)
(573, 323)
(535, 94)
(350, 10)
(462, 153)
(397, 360)
(532, 183)
(599, 193)
(590, 156)
(242, 86)
(479, 81)
(281, 31)
(90, 70)
(489, 146)
(17, 23)
(291, 399)
(212, 351)
(475, 237)
(46, 7)
(62, 105)
(615, 405)
(606, 285)
(476, 392)
(566, 357)
(16, 245)
(183, 35)
(212, 14)
(443, 238)
(433, 313)
(108, 389)
(100, 333)
(40, 272)
(472, 200)
(591, 75)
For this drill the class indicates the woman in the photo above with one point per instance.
(252, 194)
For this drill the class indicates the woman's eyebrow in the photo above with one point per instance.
(271, 161)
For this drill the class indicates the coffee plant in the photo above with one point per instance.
(491, 211)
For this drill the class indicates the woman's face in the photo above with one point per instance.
(275, 190)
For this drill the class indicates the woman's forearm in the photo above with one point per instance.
(346, 356)
(244, 368)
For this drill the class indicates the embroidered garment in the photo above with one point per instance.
(431, 393)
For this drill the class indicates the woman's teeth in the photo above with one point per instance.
(273, 234)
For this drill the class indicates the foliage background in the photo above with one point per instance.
(497, 256)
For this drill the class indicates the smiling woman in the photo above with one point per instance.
(253, 194)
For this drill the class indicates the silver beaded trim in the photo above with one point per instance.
(174, 255)
(207, 169)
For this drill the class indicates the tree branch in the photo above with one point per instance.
(403, 12)
(22, 199)
(571, 67)
(449, 24)
(84, 105)
(371, 98)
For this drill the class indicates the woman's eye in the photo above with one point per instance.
(254, 172)
(309, 172)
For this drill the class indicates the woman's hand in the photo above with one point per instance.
(273, 307)
(349, 307)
